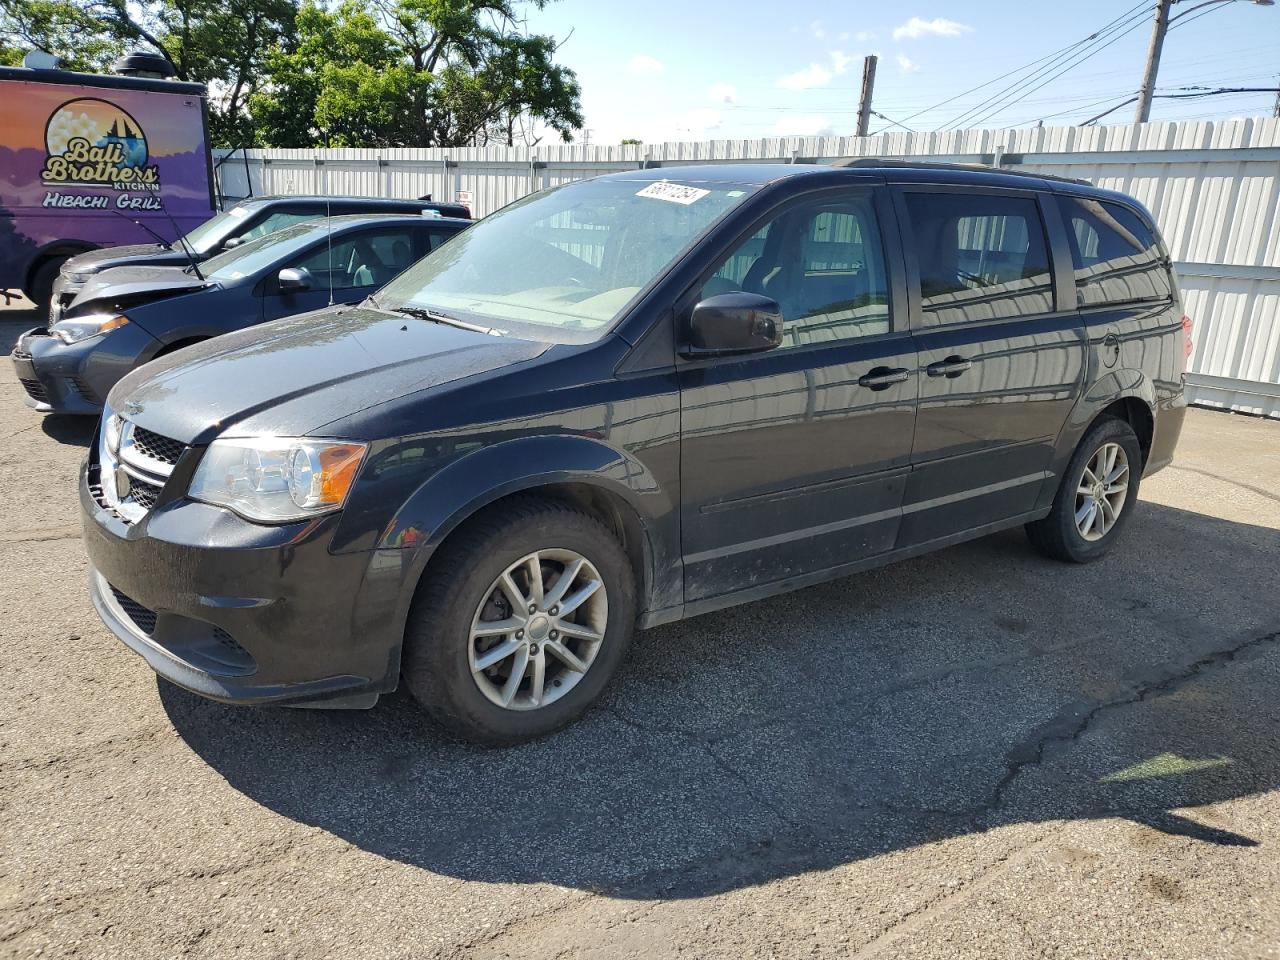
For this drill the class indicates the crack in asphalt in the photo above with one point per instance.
(797, 841)
(1268, 494)
(1071, 729)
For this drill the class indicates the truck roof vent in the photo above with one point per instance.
(139, 63)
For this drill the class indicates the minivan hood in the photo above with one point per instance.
(134, 255)
(136, 283)
(294, 376)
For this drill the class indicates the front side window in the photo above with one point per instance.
(565, 262)
(824, 265)
(367, 259)
(1117, 257)
(254, 255)
(981, 256)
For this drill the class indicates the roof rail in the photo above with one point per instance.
(905, 163)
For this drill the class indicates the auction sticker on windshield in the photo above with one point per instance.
(673, 192)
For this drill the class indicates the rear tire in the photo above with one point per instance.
(1097, 496)
(471, 629)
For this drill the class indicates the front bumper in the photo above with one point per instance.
(75, 378)
(239, 612)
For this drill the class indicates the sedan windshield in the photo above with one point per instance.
(572, 258)
(254, 255)
(210, 234)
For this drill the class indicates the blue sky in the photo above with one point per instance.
(693, 69)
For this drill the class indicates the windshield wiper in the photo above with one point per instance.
(422, 313)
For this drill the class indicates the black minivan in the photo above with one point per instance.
(625, 401)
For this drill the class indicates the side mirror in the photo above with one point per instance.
(232, 242)
(294, 279)
(732, 323)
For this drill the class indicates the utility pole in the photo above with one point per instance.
(1158, 29)
(868, 86)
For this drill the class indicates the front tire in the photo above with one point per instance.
(522, 619)
(1096, 497)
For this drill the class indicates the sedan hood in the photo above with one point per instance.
(294, 376)
(135, 284)
(135, 255)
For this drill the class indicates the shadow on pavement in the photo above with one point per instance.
(947, 695)
(75, 431)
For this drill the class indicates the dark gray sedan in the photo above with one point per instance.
(127, 316)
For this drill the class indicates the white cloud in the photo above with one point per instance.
(803, 125)
(843, 37)
(907, 65)
(818, 30)
(814, 75)
(840, 61)
(938, 27)
(643, 64)
(723, 92)
(864, 36)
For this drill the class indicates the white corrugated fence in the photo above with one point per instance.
(1214, 188)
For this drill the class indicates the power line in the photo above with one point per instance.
(1116, 31)
(1017, 70)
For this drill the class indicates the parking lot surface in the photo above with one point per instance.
(978, 753)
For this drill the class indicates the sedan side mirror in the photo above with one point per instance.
(294, 279)
(734, 323)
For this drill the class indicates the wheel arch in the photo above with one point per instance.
(602, 480)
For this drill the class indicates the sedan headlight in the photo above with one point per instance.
(80, 276)
(79, 329)
(277, 479)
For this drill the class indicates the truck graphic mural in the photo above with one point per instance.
(92, 161)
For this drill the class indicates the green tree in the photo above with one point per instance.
(414, 73)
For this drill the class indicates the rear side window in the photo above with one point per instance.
(824, 265)
(981, 256)
(1117, 257)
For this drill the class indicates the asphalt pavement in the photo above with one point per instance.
(979, 753)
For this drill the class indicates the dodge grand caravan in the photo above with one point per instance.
(622, 402)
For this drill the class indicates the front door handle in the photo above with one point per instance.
(950, 367)
(882, 378)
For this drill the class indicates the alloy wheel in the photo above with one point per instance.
(538, 629)
(1102, 492)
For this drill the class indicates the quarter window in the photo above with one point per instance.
(823, 263)
(981, 257)
(1116, 256)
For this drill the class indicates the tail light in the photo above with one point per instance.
(1187, 345)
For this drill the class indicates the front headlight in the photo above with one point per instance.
(80, 276)
(82, 328)
(277, 479)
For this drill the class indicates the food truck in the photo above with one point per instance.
(95, 160)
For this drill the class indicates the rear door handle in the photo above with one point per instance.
(950, 367)
(881, 378)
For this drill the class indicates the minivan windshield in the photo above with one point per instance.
(572, 258)
(253, 255)
(210, 234)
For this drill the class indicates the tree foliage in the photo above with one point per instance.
(386, 73)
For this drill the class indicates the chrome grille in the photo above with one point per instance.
(144, 494)
(156, 447)
(132, 478)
